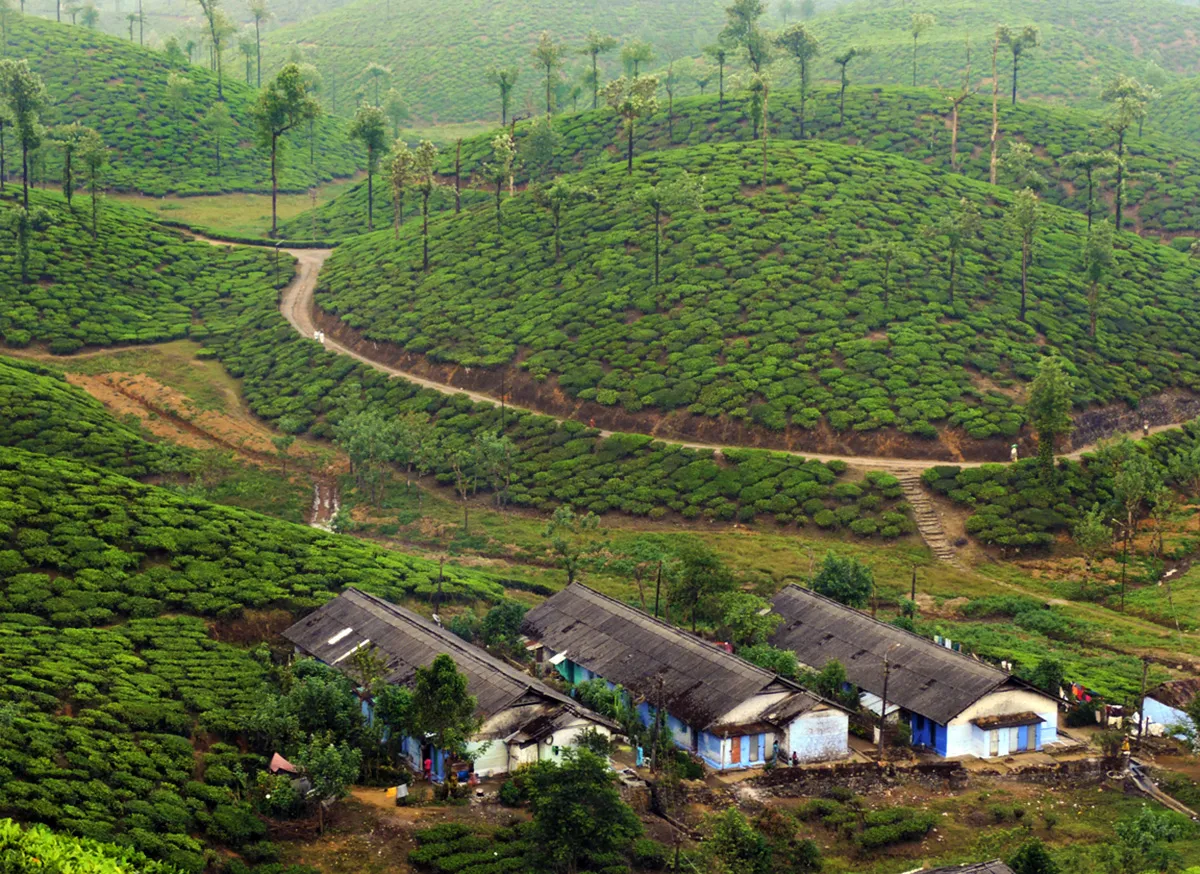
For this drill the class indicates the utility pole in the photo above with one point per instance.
(657, 587)
(913, 598)
(887, 673)
(1142, 700)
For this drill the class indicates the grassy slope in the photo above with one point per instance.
(439, 50)
(768, 308)
(121, 91)
(897, 120)
(1084, 43)
(1175, 112)
(42, 413)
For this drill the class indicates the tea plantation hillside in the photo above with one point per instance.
(439, 51)
(1085, 43)
(1175, 112)
(1161, 199)
(139, 282)
(109, 667)
(37, 847)
(776, 308)
(121, 90)
(41, 412)
(229, 302)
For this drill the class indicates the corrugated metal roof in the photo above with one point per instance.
(1178, 694)
(694, 680)
(925, 678)
(993, 867)
(407, 641)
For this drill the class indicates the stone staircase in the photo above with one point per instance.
(929, 524)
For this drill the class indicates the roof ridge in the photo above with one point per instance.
(476, 654)
(706, 645)
(897, 629)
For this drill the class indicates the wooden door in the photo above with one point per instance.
(735, 754)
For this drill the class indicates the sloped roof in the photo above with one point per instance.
(993, 867)
(694, 680)
(1178, 694)
(925, 678)
(407, 641)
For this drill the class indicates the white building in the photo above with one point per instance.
(730, 713)
(524, 720)
(954, 704)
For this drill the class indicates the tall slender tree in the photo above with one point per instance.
(25, 96)
(960, 228)
(1049, 410)
(843, 61)
(742, 29)
(400, 169)
(499, 169)
(93, 156)
(246, 48)
(426, 168)
(665, 198)
(1090, 163)
(1127, 100)
(396, 110)
(920, 22)
(634, 55)
(994, 143)
(631, 99)
(556, 197)
(957, 99)
(596, 44)
(1018, 41)
(369, 127)
(377, 75)
(549, 56)
(261, 13)
(217, 31)
(1024, 215)
(283, 105)
(719, 53)
(218, 123)
(68, 138)
(799, 42)
(24, 221)
(505, 79)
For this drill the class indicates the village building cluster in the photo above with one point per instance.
(723, 710)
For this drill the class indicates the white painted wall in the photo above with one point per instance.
(965, 739)
(819, 736)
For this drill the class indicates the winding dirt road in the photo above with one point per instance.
(296, 305)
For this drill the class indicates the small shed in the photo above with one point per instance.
(524, 720)
(731, 713)
(1166, 706)
(954, 704)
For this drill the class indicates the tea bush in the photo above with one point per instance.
(38, 848)
(120, 89)
(226, 297)
(769, 311)
(41, 412)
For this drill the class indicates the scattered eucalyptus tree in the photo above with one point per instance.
(377, 75)
(369, 127)
(24, 94)
(400, 169)
(219, 27)
(1090, 163)
(260, 12)
(1024, 216)
(93, 155)
(920, 22)
(218, 123)
(395, 109)
(499, 169)
(549, 56)
(1127, 99)
(960, 228)
(556, 197)
(596, 44)
(843, 61)
(719, 53)
(425, 164)
(283, 105)
(665, 198)
(23, 222)
(742, 29)
(634, 55)
(1018, 41)
(803, 46)
(505, 79)
(632, 99)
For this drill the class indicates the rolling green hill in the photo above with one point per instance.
(1161, 201)
(1084, 43)
(772, 311)
(121, 90)
(40, 412)
(439, 50)
(1175, 113)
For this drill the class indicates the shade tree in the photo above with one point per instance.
(499, 170)
(369, 127)
(283, 105)
(1097, 262)
(919, 23)
(219, 125)
(1126, 99)
(425, 167)
(556, 197)
(1049, 410)
(744, 31)
(665, 198)
(1024, 217)
(634, 55)
(631, 99)
(401, 170)
(1017, 42)
(24, 94)
(596, 44)
(550, 57)
(505, 79)
(803, 47)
